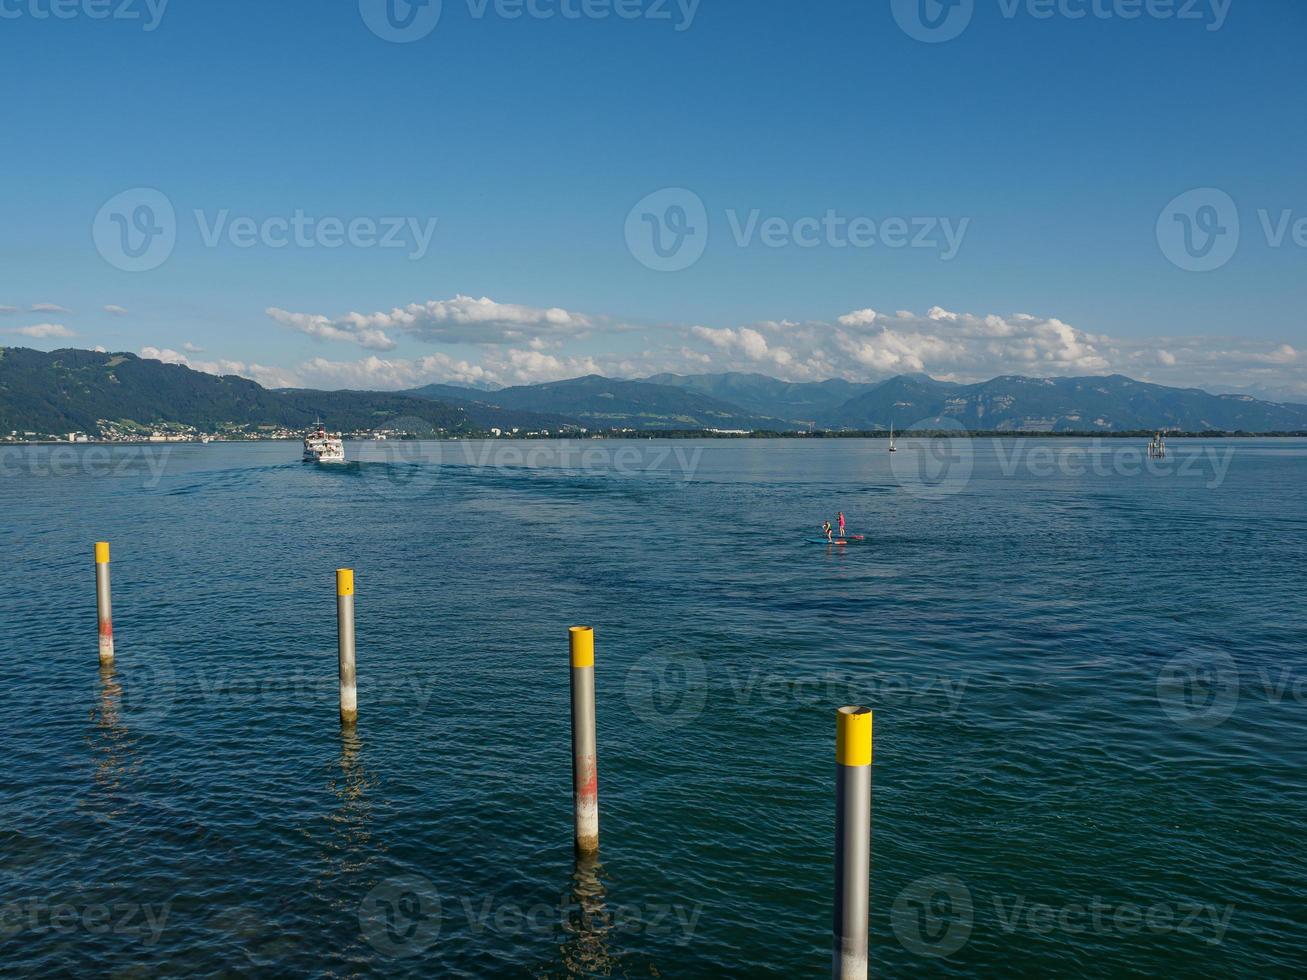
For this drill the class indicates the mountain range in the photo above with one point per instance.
(71, 390)
(910, 401)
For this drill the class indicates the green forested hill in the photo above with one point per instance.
(69, 390)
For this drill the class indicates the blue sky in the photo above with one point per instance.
(1031, 159)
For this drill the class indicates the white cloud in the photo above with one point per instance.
(44, 331)
(269, 377)
(507, 344)
(461, 320)
(323, 328)
(192, 348)
(48, 308)
(860, 318)
(388, 374)
(864, 345)
(8, 310)
(113, 310)
(744, 342)
(508, 367)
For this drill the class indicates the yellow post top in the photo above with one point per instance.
(853, 736)
(344, 581)
(583, 646)
(102, 552)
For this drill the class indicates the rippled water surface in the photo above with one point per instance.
(1088, 676)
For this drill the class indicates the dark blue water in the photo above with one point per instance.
(1089, 675)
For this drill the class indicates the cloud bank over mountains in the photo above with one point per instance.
(491, 343)
(461, 320)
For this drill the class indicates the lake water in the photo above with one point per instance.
(1089, 672)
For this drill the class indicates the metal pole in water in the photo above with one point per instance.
(852, 842)
(349, 701)
(103, 603)
(585, 774)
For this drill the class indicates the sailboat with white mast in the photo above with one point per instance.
(891, 438)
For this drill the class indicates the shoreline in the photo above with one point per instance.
(681, 434)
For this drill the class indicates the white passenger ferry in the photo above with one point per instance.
(321, 447)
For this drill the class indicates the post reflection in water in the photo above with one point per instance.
(111, 745)
(585, 951)
(351, 820)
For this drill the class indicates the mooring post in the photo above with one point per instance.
(103, 602)
(349, 701)
(585, 775)
(852, 842)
